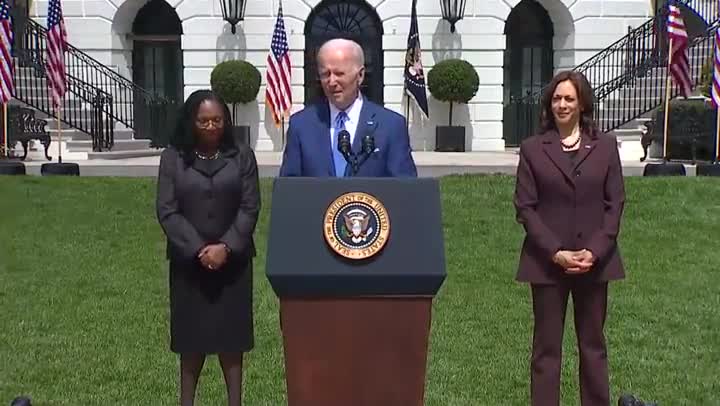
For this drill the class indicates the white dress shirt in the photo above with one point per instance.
(351, 123)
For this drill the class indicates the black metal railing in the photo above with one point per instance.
(85, 107)
(643, 88)
(632, 70)
(97, 97)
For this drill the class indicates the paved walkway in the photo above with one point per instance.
(430, 164)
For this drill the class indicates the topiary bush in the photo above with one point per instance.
(236, 82)
(453, 81)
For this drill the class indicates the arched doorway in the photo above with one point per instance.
(351, 19)
(157, 53)
(528, 64)
(19, 13)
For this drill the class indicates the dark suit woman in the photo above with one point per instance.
(569, 198)
(207, 204)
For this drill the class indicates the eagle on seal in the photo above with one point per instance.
(356, 224)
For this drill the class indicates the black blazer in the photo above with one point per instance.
(208, 201)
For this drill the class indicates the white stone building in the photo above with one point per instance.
(171, 46)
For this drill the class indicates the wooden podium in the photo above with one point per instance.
(355, 330)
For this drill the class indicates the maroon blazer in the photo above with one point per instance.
(570, 206)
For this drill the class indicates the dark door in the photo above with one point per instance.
(19, 11)
(528, 67)
(354, 20)
(157, 68)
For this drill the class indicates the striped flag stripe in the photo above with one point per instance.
(278, 96)
(679, 67)
(56, 47)
(7, 87)
(715, 93)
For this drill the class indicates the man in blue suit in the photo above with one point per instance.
(312, 135)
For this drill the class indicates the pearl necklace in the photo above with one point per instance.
(206, 157)
(574, 143)
(571, 145)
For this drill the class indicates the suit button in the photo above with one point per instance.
(579, 235)
(577, 173)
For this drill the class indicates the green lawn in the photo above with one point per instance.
(83, 299)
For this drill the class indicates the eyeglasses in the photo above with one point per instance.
(217, 122)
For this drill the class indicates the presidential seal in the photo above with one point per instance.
(356, 225)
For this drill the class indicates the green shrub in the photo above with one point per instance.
(691, 129)
(236, 81)
(453, 81)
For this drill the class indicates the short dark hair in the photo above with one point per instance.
(586, 101)
(184, 138)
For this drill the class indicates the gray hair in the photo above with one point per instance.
(352, 46)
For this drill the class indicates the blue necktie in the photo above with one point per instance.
(338, 158)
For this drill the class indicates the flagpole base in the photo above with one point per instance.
(60, 169)
(21, 401)
(664, 169)
(708, 169)
(11, 167)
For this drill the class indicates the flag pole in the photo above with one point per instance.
(716, 158)
(59, 133)
(282, 132)
(6, 151)
(667, 101)
(407, 112)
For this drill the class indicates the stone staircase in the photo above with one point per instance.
(648, 91)
(100, 104)
(76, 144)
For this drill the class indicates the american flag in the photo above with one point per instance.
(7, 88)
(677, 34)
(56, 47)
(715, 92)
(277, 94)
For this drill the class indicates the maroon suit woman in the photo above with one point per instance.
(569, 198)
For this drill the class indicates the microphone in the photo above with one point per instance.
(345, 148)
(355, 160)
(368, 144)
(343, 144)
(368, 147)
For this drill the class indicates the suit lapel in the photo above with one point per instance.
(366, 125)
(586, 147)
(323, 136)
(553, 149)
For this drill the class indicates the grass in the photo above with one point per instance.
(83, 299)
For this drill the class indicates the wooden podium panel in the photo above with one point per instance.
(366, 351)
(355, 330)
